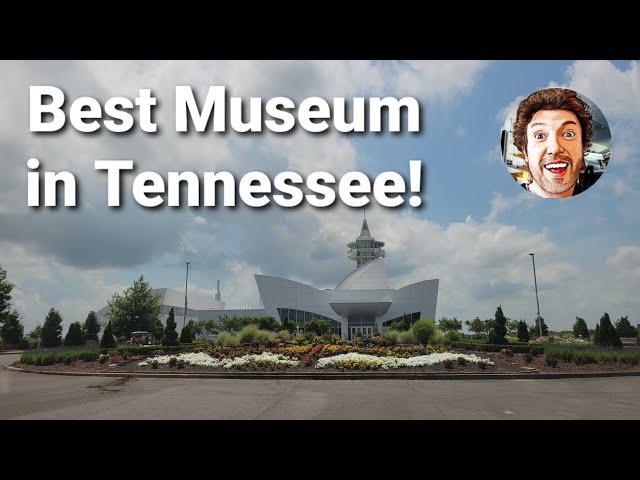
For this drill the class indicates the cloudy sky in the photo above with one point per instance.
(474, 233)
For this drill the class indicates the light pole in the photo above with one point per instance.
(535, 283)
(184, 318)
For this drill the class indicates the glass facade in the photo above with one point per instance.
(301, 317)
(407, 318)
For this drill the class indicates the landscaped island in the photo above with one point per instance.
(362, 355)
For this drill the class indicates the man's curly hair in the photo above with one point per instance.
(551, 99)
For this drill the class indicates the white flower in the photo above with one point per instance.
(143, 364)
(203, 360)
(395, 362)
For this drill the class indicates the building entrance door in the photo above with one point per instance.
(366, 332)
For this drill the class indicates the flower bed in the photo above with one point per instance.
(358, 361)
(201, 359)
(404, 351)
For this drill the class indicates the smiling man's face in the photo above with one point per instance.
(554, 152)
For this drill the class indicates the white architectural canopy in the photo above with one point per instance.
(361, 303)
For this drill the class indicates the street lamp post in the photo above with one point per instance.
(535, 283)
(184, 318)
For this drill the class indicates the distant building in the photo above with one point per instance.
(363, 303)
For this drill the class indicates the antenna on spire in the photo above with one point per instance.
(364, 213)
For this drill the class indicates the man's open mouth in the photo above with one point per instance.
(557, 168)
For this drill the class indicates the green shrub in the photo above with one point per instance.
(424, 330)
(248, 334)
(448, 363)
(551, 361)
(263, 337)
(74, 337)
(462, 361)
(186, 335)
(392, 337)
(310, 336)
(108, 340)
(406, 337)
(487, 347)
(452, 336)
(170, 335)
(528, 357)
(283, 336)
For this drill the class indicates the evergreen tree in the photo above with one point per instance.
(5, 295)
(108, 340)
(52, 329)
(74, 337)
(134, 310)
(12, 331)
(596, 335)
(36, 333)
(607, 335)
(91, 326)
(186, 335)
(170, 334)
(625, 329)
(580, 329)
(523, 331)
(499, 329)
(545, 329)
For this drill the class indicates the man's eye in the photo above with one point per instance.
(539, 136)
(569, 134)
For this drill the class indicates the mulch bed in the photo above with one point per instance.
(502, 364)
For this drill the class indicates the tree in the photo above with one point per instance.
(545, 329)
(186, 335)
(625, 329)
(499, 331)
(445, 324)
(203, 328)
(157, 329)
(91, 326)
(11, 330)
(523, 331)
(424, 330)
(170, 334)
(5, 294)
(476, 326)
(108, 340)
(74, 337)
(580, 328)
(607, 333)
(36, 333)
(135, 309)
(52, 329)
(513, 326)
(596, 334)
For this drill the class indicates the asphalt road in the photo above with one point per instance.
(33, 396)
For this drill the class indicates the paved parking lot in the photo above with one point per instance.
(33, 396)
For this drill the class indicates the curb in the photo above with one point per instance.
(11, 352)
(338, 376)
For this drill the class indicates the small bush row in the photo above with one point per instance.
(591, 355)
(487, 347)
(50, 358)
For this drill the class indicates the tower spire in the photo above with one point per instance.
(365, 248)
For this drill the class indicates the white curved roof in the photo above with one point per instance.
(372, 276)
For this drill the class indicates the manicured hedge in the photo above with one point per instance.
(487, 347)
(147, 349)
(587, 355)
(66, 357)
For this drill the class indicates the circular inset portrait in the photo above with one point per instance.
(556, 143)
